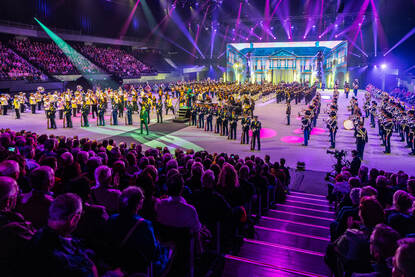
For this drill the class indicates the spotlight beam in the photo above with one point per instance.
(408, 35)
(128, 21)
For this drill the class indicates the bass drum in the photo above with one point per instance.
(348, 124)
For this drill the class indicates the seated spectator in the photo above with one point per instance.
(34, 206)
(403, 261)
(131, 237)
(383, 244)
(53, 250)
(15, 231)
(410, 186)
(103, 194)
(210, 205)
(352, 248)
(174, 211)
(399, 216)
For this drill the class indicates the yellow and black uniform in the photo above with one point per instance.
(16, 105)
(52, 115)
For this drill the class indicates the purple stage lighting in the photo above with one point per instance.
(401, 41)
(383, 66)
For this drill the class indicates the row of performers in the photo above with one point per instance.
(226, 122)
(295, 92)
(392, 116)
(308, 116)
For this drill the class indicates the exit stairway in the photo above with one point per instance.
(290, 240)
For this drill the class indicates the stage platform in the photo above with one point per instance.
(278, 139)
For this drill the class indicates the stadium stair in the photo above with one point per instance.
(182, 115)
(290, 240)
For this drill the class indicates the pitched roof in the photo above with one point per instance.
(286, 51)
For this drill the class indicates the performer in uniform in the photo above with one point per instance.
(201, 114)
(68, 114)
(209, 119)
(355, 87)
(225, 120)
(16, 104)
(85, 113)
(32, 102)
(332, 125)
(346, 89)
(101, 112)
(361, 139)
(52, 116)
(256, 130)
(388, 129)
(114, 111)
(288, 112)
(130, 108)
(159, 111)
(306, 126)
(143, 118)
(169, 104)
(233, 124)
(246, 124)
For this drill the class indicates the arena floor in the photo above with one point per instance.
(278, 139)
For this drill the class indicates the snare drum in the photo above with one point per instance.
(348, 124)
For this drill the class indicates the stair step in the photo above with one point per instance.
(289, 238)
(299, 203)
(284, 256)
(310, 195)
(241, 267)
(308, 200)
(304, 210)
(293, 226)
(315, 220)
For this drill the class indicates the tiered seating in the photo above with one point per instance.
(290, 240)
(14, 67)
(115, 61)
(45, 55)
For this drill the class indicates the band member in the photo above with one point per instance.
(68, 114)
(209, 119)
(306, 126)
(32, 102)
(225, 121)
(373, 110)
(159, 111)
(169, 104)
(143, 119)
(130, 109)
(101, 113)
(332, 125)
(16, 105)
(218, 128)
(355, 87)
(194, 115)
(288, 112)
(246, 124)
(94, 106)
(52, 116)
(346, 89)
(361, 139)
(233, 123)
(256, 130)
(60, 107)
(85, 113)
(388, 129)
(114, 108)
(201, 114)
(74, 107)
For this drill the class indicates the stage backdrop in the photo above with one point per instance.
(299, 61)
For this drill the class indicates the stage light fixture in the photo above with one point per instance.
(383, 66)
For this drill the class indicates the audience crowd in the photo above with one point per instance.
(76, 207)
(375, 224)
(115, 61)
(13, 67)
